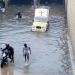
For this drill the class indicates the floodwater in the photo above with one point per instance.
(50, 54)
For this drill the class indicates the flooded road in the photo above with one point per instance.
(50, 54)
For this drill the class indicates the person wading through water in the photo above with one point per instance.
(26, 52)
(10, 50)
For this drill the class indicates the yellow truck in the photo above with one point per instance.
(41, 19)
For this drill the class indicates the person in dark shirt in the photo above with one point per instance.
(10, 50)
(19, 15)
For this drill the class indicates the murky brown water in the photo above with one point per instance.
(50, 55)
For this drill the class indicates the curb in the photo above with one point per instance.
(71, 55)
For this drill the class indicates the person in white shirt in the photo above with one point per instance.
(26, 52)
(3, 10)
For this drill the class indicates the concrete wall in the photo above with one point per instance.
(71, 21)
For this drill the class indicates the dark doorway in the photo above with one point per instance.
(2, 4)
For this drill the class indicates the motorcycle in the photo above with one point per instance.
(4, 59)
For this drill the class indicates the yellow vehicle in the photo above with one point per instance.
(40, 24)
(41, 20)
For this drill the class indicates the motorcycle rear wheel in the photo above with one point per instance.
(2, 65)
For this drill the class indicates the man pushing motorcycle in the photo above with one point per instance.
(10, 51)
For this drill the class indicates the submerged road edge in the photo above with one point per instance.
(71, 55)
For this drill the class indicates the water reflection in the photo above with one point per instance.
(7, 71)
(2, 17)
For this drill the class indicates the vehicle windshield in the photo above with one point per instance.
(37, 19)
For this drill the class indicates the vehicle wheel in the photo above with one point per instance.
(1, 65)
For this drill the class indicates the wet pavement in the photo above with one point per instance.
(50, 54)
